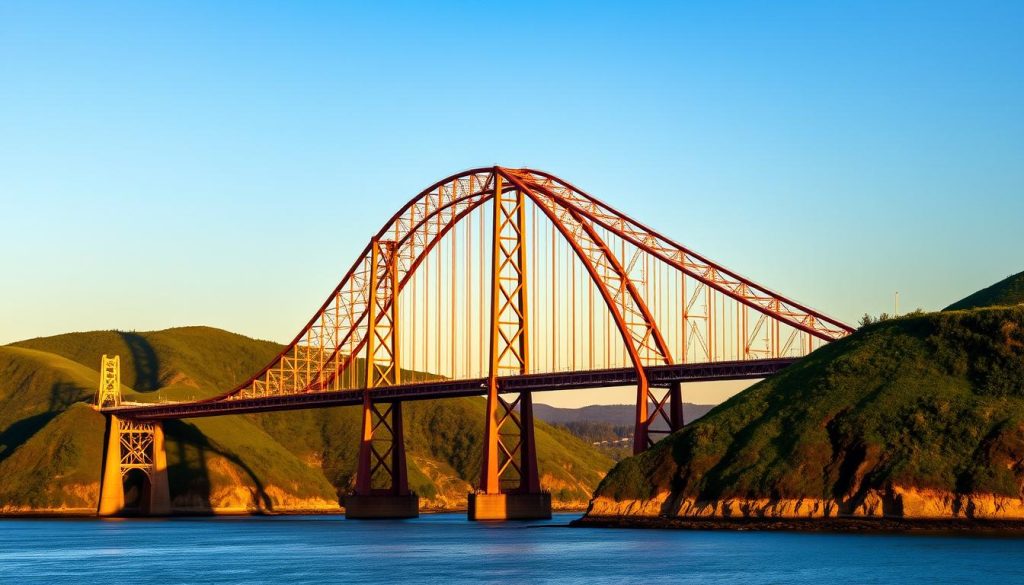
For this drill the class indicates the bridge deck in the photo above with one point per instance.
(657, 376)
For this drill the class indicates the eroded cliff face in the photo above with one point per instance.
(74, 499)
(241, 499)
(894, 502)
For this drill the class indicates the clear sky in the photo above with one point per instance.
(222, 163)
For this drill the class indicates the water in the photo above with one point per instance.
(445, 548)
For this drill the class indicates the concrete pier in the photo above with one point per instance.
(381, 506)
(111, 482)
(156, 501)
(510, 506)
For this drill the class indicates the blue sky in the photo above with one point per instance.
(168, 164)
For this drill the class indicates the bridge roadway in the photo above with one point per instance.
(656, 376)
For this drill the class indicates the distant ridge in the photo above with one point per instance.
(1005, 293)
(613, 414)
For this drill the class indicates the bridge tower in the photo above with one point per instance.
(109, 393)
(509, 481)
(130, 445)
(382, 480)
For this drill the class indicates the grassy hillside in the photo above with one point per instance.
(274, 461)
(57, 467)
(1005, 293)
(933, 402)
(181, 363)
(35, 387)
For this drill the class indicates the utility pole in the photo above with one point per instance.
(896, 305)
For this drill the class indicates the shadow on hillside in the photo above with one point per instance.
(15, 435)
(147, 365)
(64, 394)
(189, 475)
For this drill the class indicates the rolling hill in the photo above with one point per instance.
(1005, 293)
(50, 440)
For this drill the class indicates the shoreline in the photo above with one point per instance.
(90, 513)
(846, 525)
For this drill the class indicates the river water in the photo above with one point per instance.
(445, 548)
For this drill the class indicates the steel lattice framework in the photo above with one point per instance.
(136, 446)
(511, 454)
(434, 303)
(382, 446)
(109, 392)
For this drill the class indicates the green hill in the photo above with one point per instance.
(35, 387)
(56, 468)
(273, 461)
(921, 416)
(180, 363)
(1005, 293)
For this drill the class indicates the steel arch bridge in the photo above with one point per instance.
(501, 282)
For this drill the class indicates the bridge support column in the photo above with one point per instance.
(382, 458)
(382, 477)
(667, 413)
(525, 501)
(134, 445)
(641, 428)
(509, 481)
(111, 482)
(675, 405)
(160, 489)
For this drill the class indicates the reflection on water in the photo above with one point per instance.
(447, 548)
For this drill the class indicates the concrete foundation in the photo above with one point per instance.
(510, 506)
(382, 506)
(112, 485)
(160, 491)
(156, 501)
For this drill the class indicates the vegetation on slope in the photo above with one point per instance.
(35, 387)
(181, 363)
(58, 466)
(1005, 293)
(930, 401)
(234, 463)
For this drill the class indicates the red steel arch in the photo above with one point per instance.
(699, 267)
(345, 310)
(318, 357)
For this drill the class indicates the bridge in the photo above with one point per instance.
(494, 282)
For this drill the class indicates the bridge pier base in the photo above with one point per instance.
(111, 482)
(381, 506)
(382, 457)
(134, 445)
(160, 489)
(510, 506)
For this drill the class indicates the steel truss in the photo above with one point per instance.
(359, 318)
(509, 462)
(137, 438)
(382, 467)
